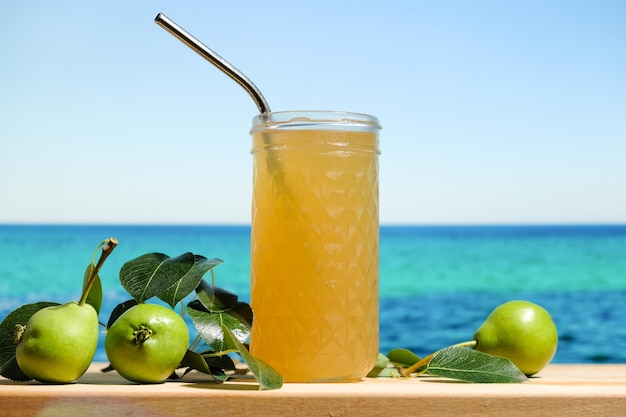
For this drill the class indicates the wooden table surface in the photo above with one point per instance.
(559, 390)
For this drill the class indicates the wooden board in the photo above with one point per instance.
(561, 390)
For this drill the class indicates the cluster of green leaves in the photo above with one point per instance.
(455, 362)
(222, 321)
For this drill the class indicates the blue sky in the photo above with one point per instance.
(492, 111)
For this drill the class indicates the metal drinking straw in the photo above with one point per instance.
(274, 161)
(210, 55)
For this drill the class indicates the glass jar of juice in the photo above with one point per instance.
(315, 244)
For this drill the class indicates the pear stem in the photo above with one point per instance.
(111, 243)
(424, 361)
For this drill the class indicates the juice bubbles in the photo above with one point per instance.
(314, 244)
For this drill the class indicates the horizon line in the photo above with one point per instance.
(382, 224)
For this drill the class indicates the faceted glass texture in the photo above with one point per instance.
(314, 248)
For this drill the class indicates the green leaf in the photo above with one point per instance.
(218, 361)
(120, 309)
(265, 375)
(146, 276)
(190, 281)
(195, 361)
(20, 316)
(219, 375)
(94, 298)
(215, 299)
(403, 357)
(156, 274)
(209, 325)
(473, 366)
(210, 364)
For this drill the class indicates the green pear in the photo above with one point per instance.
(147, 343)
(520, 331)
(58, 343)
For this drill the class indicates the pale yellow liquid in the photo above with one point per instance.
(314, 279)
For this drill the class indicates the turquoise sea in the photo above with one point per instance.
(437, 283)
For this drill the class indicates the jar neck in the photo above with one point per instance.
(315, 120)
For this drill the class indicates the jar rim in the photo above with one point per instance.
(313, 119)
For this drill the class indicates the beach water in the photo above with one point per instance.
(437, 283)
